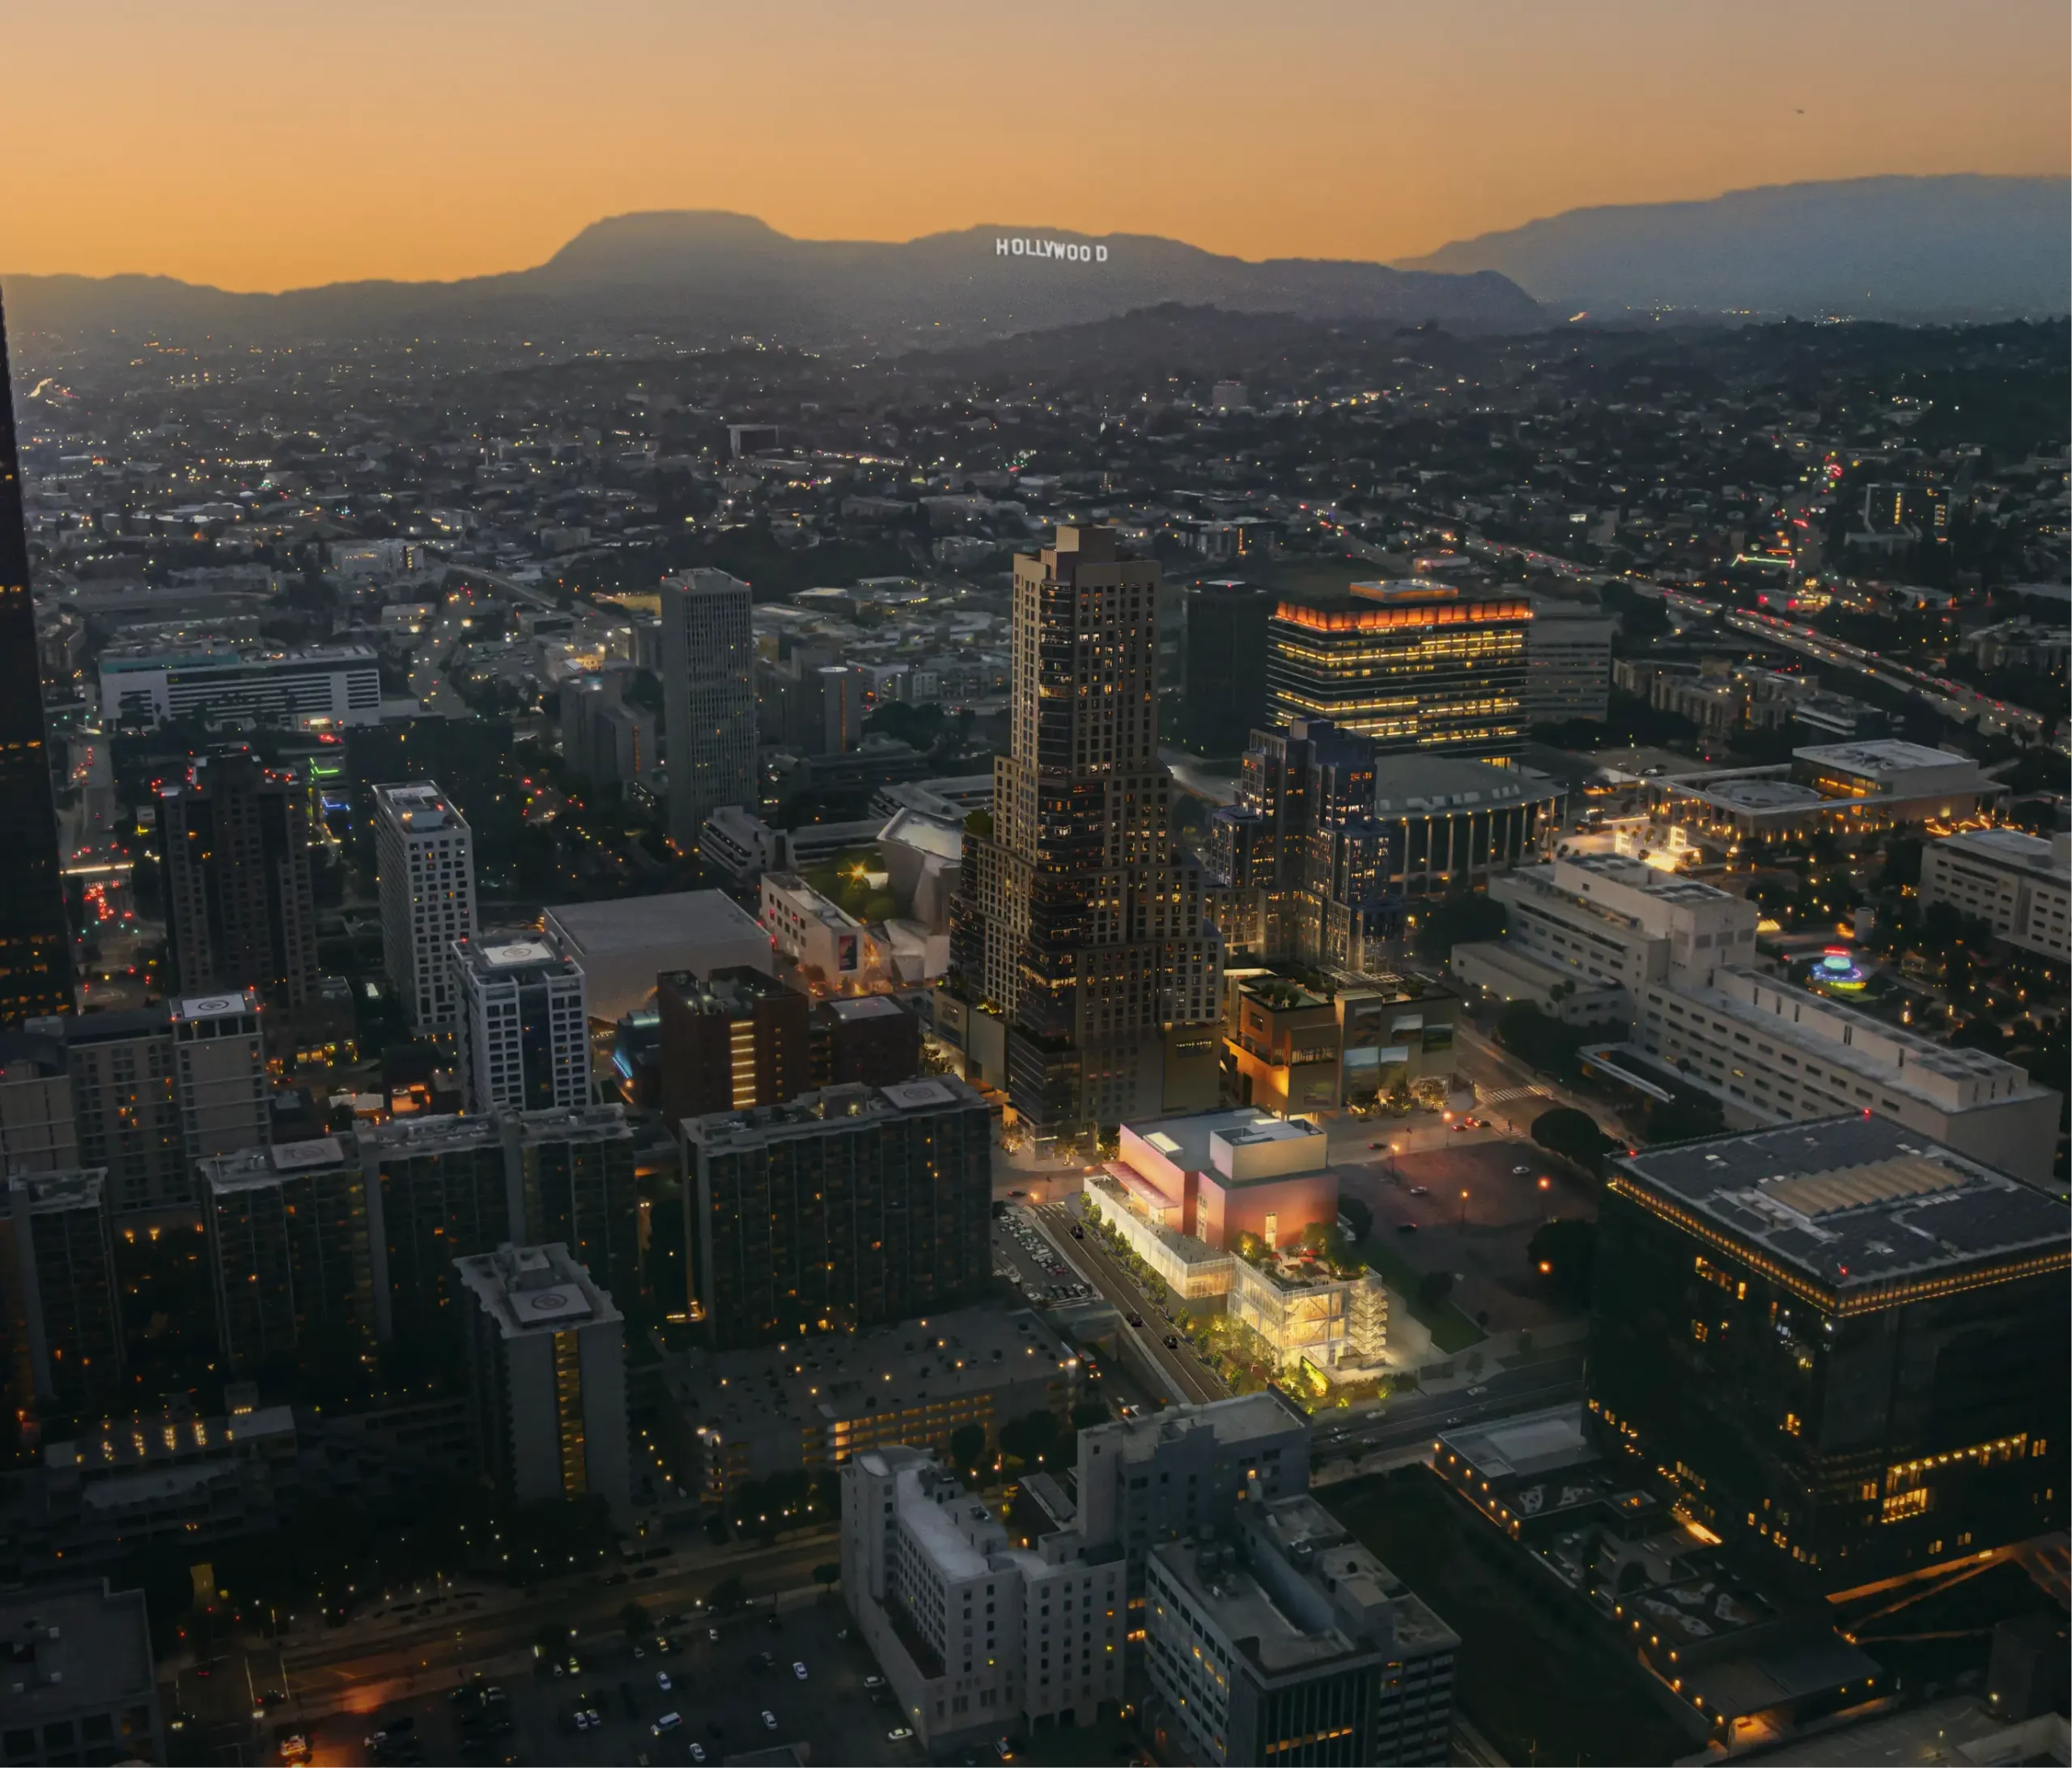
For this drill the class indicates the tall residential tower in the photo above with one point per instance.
(425, 854)
(1079, 929)
(36, 939)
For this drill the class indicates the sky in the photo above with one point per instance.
(296, 142)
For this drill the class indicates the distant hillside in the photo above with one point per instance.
(1948, 248)
(701, 276)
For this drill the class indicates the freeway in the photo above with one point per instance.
(1407, 1421)
(1186, 1377)
(1953, 699)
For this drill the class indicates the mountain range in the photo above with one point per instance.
(700, 276)
(1960, 247)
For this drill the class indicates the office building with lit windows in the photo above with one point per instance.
(546, 1358)
(847, 1207)
(1416, 665)
(1083, 971)
(1282, 1639)
(732, 1039)
(1842, 1344)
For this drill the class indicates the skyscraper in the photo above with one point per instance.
(1077, 924)
(1415, 664)
(36, 936)
(708, 688)
(425, 854)
(1225, 664)
(234, 835)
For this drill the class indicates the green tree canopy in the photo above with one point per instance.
(1574, 1136)
(1564, 1256)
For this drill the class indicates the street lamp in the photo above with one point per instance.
(1546, 1185)
(1464, 1206)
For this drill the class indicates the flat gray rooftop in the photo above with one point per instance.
(637, 923)
(887, 1368)
(1853, 1201)
(86, 1650)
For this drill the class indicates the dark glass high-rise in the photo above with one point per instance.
(36, 939)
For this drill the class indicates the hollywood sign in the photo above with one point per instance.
(1062, 251)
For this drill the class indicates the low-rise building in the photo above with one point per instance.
(979, 1637)
(1854, 788)
(83, 1686)
(1224, 1174)
(623, 945)
(826, 942)
(743, 1415)
(1291, 1045)
(170, 1478)
(2019, 885)
(1284, 1639)
(1669, 958)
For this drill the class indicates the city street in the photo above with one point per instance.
(1185, 1376)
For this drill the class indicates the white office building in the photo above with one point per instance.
(1008, 1639)
(2019, 885)
(525, 1037)
(708, 686)
(336, 685)
(425, 856)
(1672, 958)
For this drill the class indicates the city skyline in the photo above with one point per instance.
(546, 135)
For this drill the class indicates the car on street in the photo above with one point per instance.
(668, 1723)
(1172, 1342)
(1406, 1227)
(697, 1750)
(898, 1735)
(1420, 1191)
(873, 1681)
(799, 1670)
(769, 1719)
(1136, 1319)
(663, 1682)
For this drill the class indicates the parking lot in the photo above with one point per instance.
(719, 1693)
(1029, 1260)
(1421, 1213)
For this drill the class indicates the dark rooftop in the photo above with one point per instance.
(1855, 1202)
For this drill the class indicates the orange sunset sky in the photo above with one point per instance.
(267, 146)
